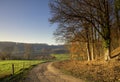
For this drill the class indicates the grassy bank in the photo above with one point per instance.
(61, 57)
(96, 71)
(20, 69)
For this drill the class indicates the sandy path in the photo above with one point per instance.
(47, 73)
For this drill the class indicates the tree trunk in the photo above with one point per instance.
(107, 54)
(107, 38)
(107, 43)
(92, 44)
(88, 51)
(92, 52)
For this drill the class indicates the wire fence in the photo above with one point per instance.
(11, 67)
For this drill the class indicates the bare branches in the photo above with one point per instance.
(78, 17)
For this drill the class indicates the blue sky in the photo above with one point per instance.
(26, 21)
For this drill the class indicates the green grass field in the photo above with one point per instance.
(6, 66)
(60, 57)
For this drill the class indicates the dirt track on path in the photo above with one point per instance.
(47, 73)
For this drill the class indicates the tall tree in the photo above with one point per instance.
(97, 13)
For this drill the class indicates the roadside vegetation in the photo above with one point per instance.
(21, 67)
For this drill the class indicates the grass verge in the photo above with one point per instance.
(20, 72)
(17, 77)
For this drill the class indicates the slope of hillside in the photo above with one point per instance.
(35, 50)
(96, 71)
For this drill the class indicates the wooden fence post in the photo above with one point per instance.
(23, 65)
(13, 69)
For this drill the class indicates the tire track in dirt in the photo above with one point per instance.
(47, 73)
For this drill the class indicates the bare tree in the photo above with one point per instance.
(96, 14)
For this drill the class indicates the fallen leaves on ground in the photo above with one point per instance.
(94, 71)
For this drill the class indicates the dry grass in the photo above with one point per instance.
(95, 71)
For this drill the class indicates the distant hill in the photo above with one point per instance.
(36, 49)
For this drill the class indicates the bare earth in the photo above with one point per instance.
(47, 73)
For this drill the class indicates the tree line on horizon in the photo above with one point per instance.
(90, 28)
(12, 50)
